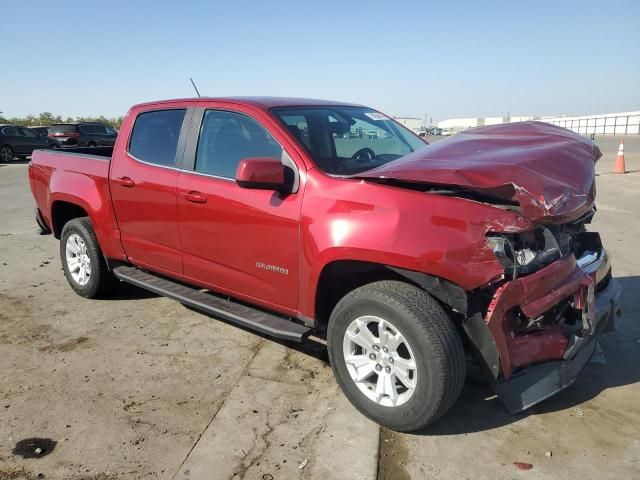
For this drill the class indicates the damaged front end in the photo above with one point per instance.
(536, 328)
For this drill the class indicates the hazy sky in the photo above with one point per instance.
(444, 59)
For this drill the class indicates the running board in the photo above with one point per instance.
(228, 310)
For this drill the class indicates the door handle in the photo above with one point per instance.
(126, 182)
(194, 197)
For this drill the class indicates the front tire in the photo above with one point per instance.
(6, 154)
(82, 260)
(396, 354)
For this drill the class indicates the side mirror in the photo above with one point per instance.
(261, 173)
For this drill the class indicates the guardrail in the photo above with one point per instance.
(612, 124)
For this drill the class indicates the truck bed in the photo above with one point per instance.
(77, 176)
(89, 151)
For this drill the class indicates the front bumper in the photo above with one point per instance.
(529, 367)
(535, 384)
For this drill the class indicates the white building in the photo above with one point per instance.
(412, 123)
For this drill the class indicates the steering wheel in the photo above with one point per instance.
(364, 155)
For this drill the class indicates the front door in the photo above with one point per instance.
(143, 182)
(240, 241)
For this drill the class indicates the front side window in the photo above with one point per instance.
(348, 140)
(228, 137)
(155, 134)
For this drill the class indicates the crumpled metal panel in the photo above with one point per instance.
(548, 170)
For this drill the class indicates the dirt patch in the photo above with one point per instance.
(66, 346)
(14, 473)
(393, 457)
(17, 326)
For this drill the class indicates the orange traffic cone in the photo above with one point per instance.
(619, 167)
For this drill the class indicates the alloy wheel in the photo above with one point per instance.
(380, 361)
(6, 155)
(78, 261)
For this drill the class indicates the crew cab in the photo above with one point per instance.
(287, 216)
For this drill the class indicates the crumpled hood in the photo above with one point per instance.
(549, 171)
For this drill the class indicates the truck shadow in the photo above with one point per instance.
(478, 408)
(312, 347)
(126, 291)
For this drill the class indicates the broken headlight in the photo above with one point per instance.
(526, 252)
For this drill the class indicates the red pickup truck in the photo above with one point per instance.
(293, 216)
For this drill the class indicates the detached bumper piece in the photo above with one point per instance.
(537, 383)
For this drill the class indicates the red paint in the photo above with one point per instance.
(523, 465)
(213, 233)
(260, 171)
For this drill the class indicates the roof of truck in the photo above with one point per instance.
(263, 103)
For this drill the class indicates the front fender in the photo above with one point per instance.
(445, 237)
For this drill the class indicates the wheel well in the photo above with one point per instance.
(62, 212)
(339, 278)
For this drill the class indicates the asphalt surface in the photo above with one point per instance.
(138, 386)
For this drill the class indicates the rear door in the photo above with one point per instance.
(236, 240)
(143, 182)
(32, 140)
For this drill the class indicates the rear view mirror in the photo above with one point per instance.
(261, 173)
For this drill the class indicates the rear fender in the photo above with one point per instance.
(92, 195)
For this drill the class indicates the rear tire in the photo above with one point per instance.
(82, 260)
(396, 354)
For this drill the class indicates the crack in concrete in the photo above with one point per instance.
(226, 397)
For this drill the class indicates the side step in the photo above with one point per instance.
(230, 311)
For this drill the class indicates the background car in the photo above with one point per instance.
(44, 132)
(18, 141)
(83, 134)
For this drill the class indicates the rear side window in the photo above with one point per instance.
(10, 131)
(63, 128)
(155, 136)
(228, 137)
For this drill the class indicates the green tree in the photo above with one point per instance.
(48, 118)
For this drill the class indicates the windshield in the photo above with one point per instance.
(348, 140)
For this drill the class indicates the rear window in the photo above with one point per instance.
(63, 128)
(155, 136)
